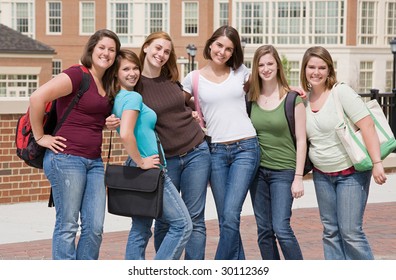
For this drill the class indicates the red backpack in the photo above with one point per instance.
(26, 147)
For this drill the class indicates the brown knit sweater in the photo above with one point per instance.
(178, 131)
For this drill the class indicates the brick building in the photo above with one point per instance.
(356, 32)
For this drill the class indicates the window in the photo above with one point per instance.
(253, 21)
(54, 17)
(22, 14)
(87, 18)
(291, 22)
(223, 14)
(121, 20)
(390, 21)
(365, 76)
(156, 17)
(14, 86)
(190, 22)
(389, 76)
(326, 22)
(367, 28)
(56, 67)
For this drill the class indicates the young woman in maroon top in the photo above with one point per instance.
(73, 162)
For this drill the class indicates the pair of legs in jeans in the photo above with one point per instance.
(190, 175)
(233, 169)
(272, 204)
(175, 215)
(342, 201)
(79, 193)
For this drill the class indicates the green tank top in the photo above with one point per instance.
(276, 143)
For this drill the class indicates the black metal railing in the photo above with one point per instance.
(387, 101)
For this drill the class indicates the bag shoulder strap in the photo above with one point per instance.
(290, 102)
(195, 81)
(337, 101)
(160, 151)
(248, 105)
(84, 85)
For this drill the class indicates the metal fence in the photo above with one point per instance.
(387, 100)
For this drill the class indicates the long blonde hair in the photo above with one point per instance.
(256, 84)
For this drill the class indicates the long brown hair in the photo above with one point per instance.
(169, 69)
(86, 58)
(256, 82)
(323, 54)
(130, 56)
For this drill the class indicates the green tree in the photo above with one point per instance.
(286, 67)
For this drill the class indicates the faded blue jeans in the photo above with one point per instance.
(342, 201)
(234, 167)
(190, 175)
(79, 192)
(272, 204)
(175, 215)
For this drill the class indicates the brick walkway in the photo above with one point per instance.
(379, 225)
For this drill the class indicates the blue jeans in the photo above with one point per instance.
(272, 204)
(190, 175)
(79, 192)
(342, 201)
(175, 215)
(233, 169)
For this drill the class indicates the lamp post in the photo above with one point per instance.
(393, 49)
(243, 44)
(189, 56)
(393, 109)
(193, 53)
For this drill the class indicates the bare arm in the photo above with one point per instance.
(370, 137)
(301, 143)
(128, 139)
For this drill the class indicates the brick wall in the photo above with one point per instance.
(21, 183)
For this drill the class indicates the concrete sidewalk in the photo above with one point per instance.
(27, 227)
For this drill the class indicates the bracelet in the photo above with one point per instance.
(377, 162)
(39, 138)
(298, 175)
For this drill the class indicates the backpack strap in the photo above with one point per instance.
(195, 81)
(86, 78)
(248, 105)
(290, 102)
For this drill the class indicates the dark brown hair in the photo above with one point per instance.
(86, 58)
(231, 33)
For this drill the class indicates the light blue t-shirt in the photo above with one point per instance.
(145, 123)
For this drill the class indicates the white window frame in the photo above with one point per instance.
(388, 76)
(186, 17)
(163, 18)
(390, 21)
(366, 75)
(56, 67)
(48, 18)
(367, 25)
(16, 84)
(30, 17)
(84, 17)
(125, 36)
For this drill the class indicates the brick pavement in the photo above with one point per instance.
(379, 225)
